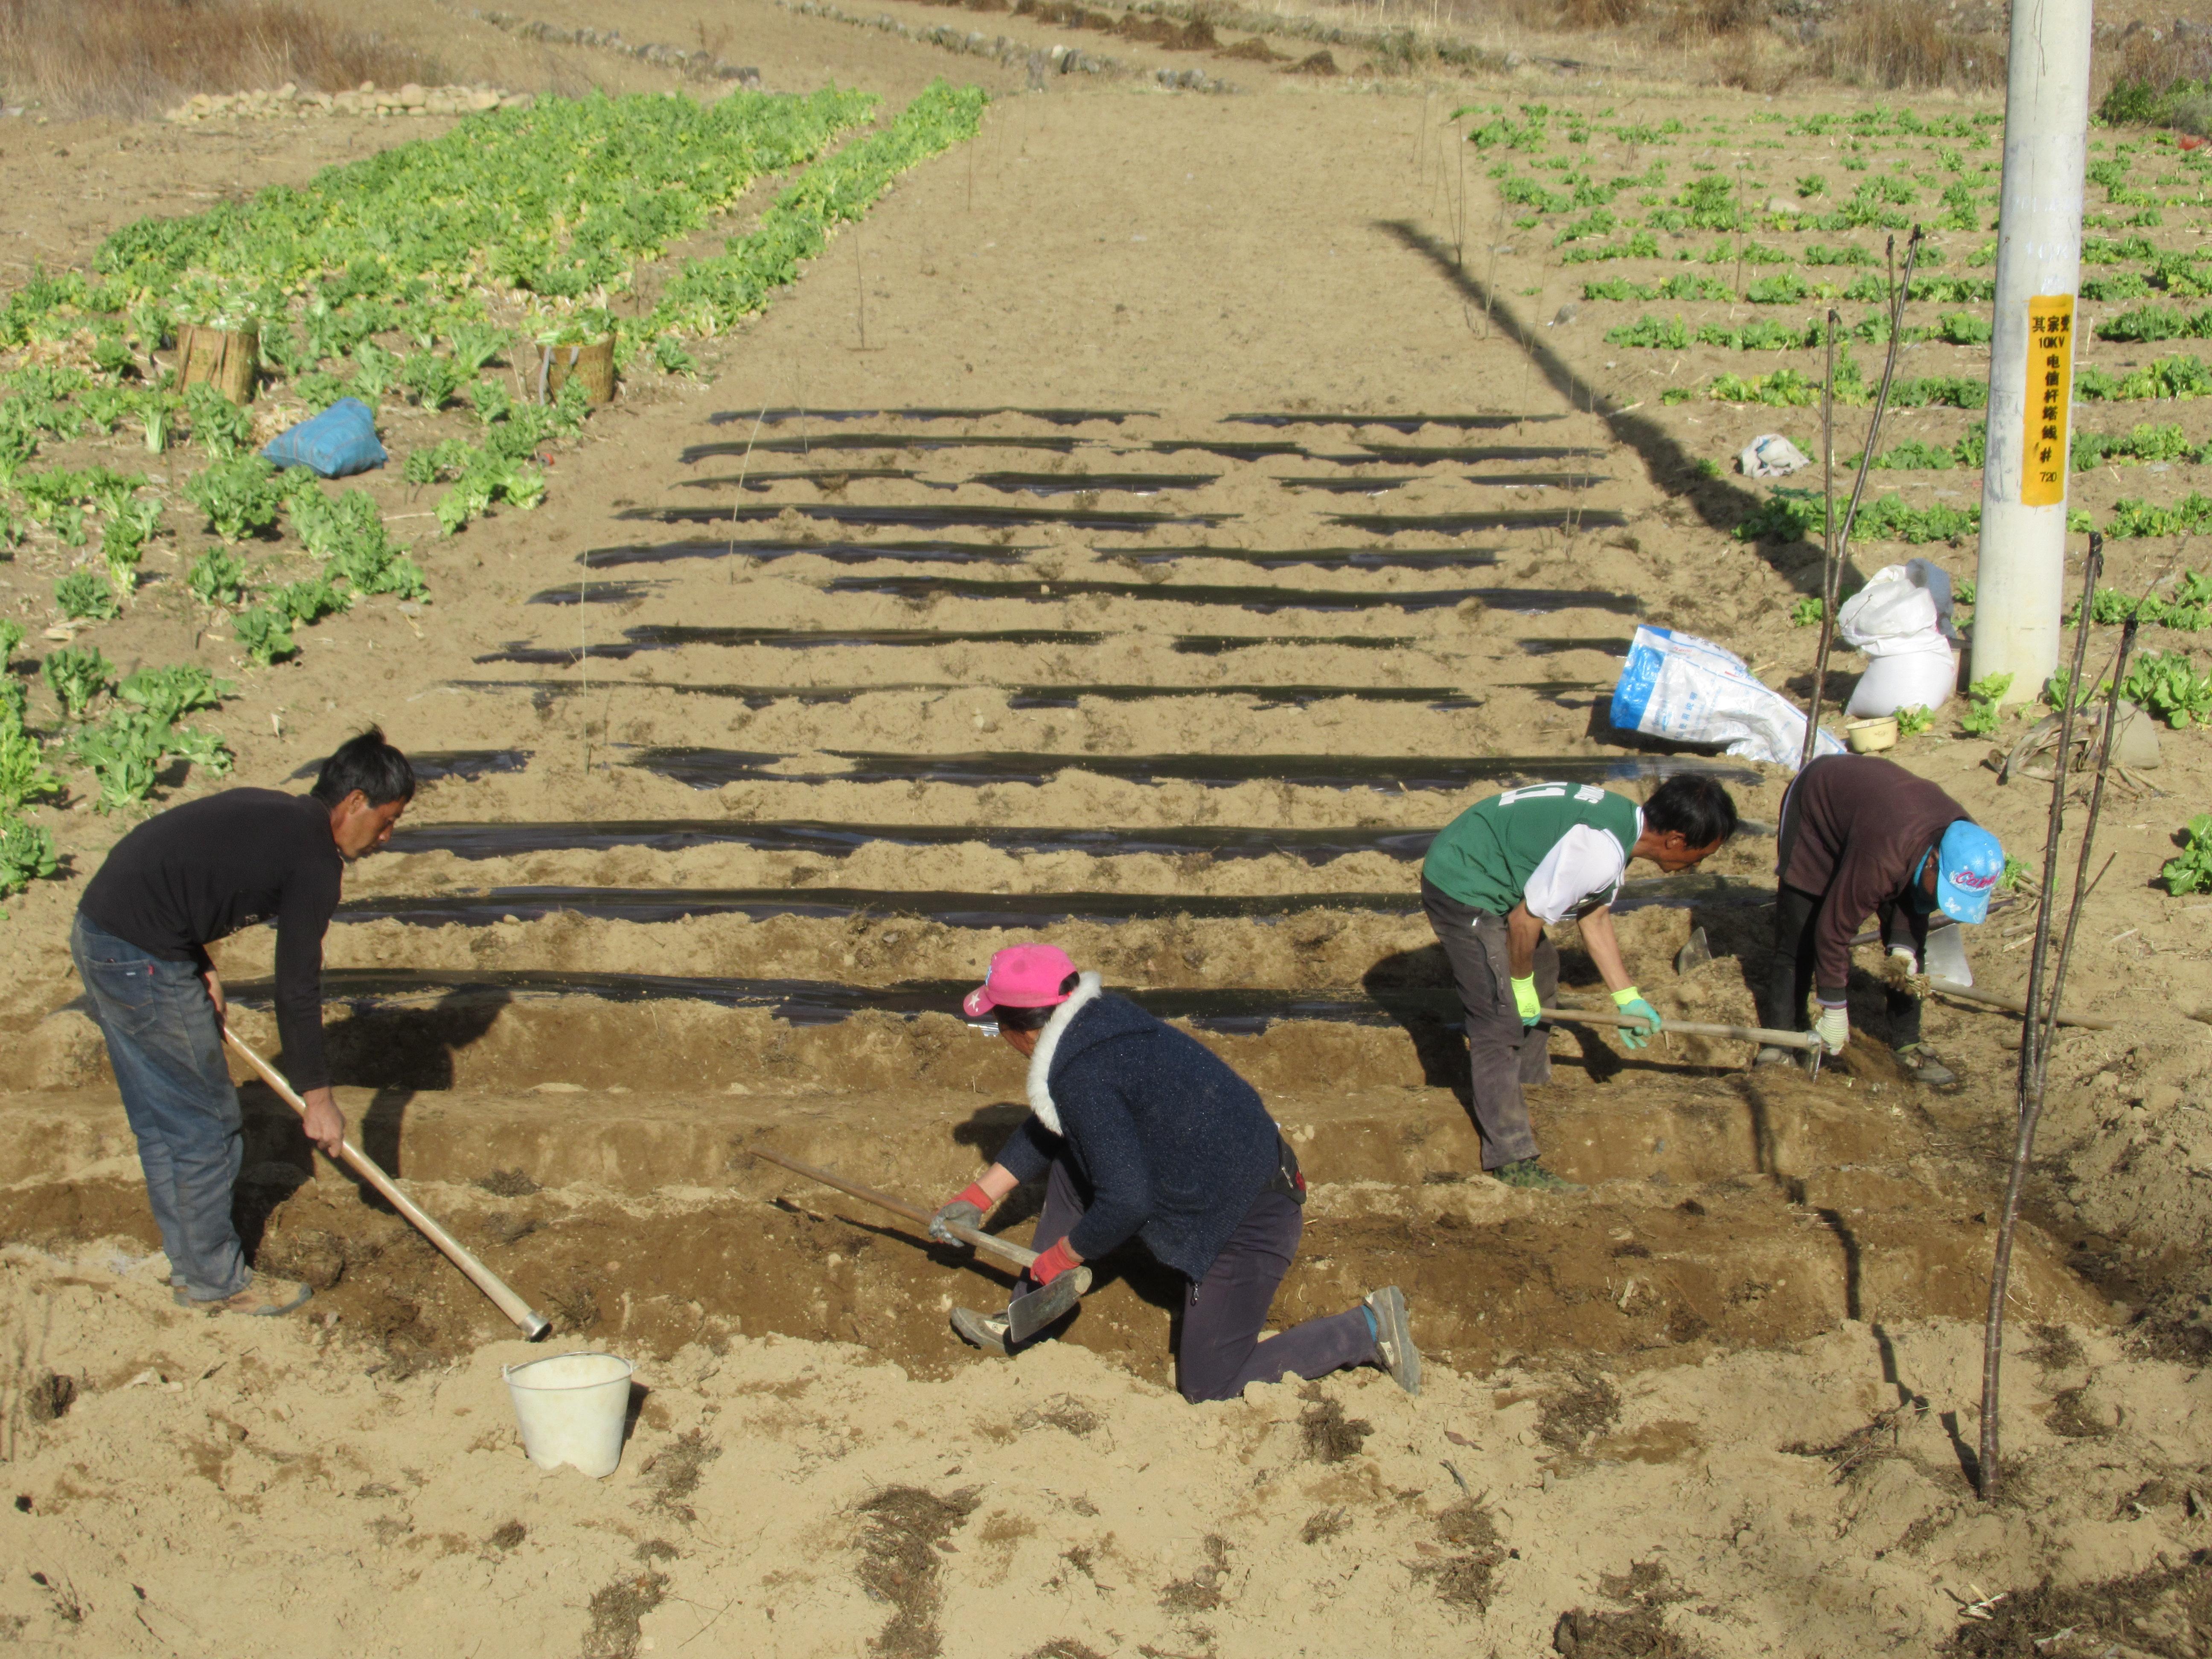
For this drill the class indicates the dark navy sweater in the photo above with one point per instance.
(1173, 1145)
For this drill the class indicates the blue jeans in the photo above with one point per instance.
(166, 1046)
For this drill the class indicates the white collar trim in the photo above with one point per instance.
(1089, 988)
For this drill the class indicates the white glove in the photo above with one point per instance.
(1832, 1029)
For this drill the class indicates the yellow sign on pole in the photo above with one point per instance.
(2050, 399)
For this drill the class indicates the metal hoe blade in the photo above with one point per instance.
(1028, 1315)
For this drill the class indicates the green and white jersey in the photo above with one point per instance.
(1561, 848)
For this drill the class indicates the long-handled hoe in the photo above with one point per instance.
(533, 1323)
(1025, 1315)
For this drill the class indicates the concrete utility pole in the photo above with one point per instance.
(2018, 599)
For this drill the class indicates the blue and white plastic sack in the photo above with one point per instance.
(336, 444)
(1686, 690)
(1902, 620)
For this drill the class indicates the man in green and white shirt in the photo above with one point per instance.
(1510, 866)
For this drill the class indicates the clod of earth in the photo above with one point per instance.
(902, 1527)
(1328, 1436)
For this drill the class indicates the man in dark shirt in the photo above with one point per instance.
(1860, 834)
(173, 885)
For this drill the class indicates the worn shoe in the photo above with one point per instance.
(263, 1297)
(984, 1331)
(1922, 1067)
(1393, 1337)
(1528, 1174)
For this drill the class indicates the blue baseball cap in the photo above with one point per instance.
(1968, 861)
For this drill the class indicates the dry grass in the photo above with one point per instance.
(131, 57)
(2162, 60)
(1907, 43)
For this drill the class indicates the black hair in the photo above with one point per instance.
(1035, 1019)
(369, 764)
(1696, 807)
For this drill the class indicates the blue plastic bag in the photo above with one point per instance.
(336, 444)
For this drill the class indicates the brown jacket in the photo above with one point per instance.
(1853, 829)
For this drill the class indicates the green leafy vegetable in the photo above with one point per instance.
(75, 674)
(1912, 722)
(86, 596)
(27, 854)
(2169, 686)
(266, 635)
(23, 775)
(216, 578)
(1985, 714)
(172, 692)
(240, 497)
(2191, 871)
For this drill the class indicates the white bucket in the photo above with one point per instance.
(572, 1409)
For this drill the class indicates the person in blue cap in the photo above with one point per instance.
(1861, 834)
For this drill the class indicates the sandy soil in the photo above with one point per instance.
(1718, 1404)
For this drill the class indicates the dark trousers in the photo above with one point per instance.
(1503, 1055)
(1789, 972)
(1220, 1350)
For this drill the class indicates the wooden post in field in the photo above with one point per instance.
(226, 359)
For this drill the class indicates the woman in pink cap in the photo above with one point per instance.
(1143, 1132)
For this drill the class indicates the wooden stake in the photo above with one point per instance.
(226, 359)
(2035, 1029)
(1828, 547)
(1832, 577)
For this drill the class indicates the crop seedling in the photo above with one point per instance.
(264, 634)
(216, 578)
(218, 424)
(2015, 878)
(173, 692)
(240, 497)
(1986, 712)
(306, 601)
(126, 751)
(75, 674)
(27, 854)
(430, 379)
(23, 775)
(2169, 686)
(2055, 688)
(2191, 871)
(1912, 722)
(86, 596)
(1807, 611)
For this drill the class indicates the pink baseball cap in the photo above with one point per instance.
(1021, 976)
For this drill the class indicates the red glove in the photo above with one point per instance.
(968, 1210)
(1051, 1263)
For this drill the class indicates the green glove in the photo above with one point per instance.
(1629, 1001)
(1525, 998)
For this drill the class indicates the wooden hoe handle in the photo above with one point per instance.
(533, 1323)
(1012, 1255)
